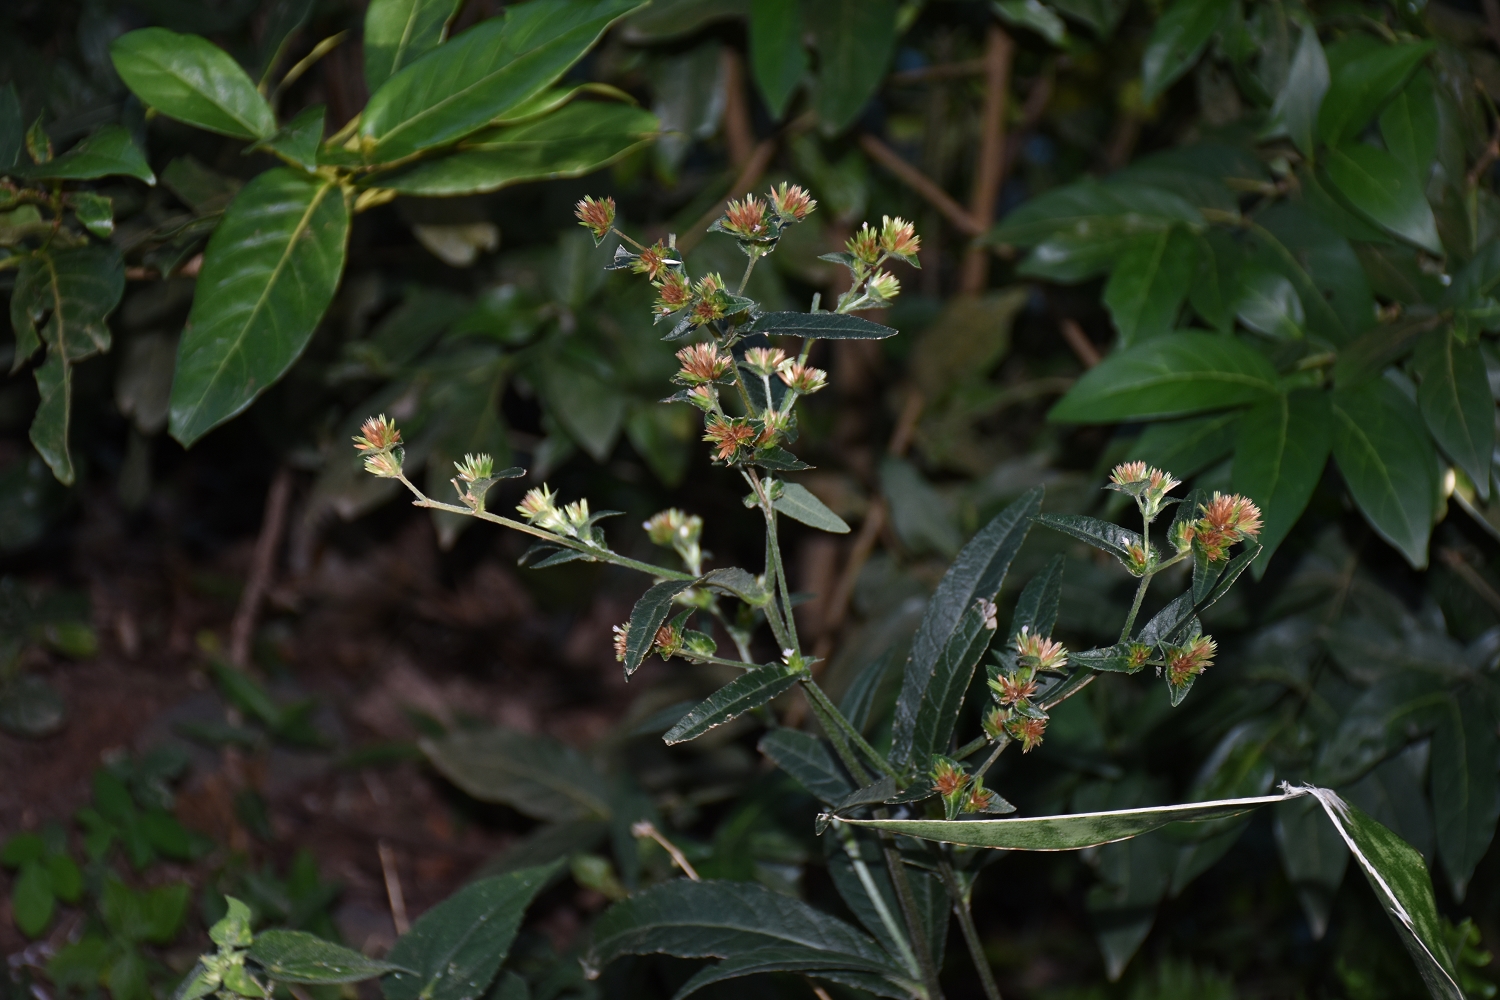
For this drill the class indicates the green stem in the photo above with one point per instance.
(908, 901)
(877, 899)
(597, 554)
(966, 923)
(971, 747)
(745, 280)
(835, 733)
(1135, 607)
(832, 719)
(704, 658)
(786, 594)
(1000, 745)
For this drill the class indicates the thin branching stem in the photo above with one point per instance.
(966, 924)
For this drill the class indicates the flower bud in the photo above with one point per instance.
(597, 216)
(654, 261)
(791, 204)
(475, 467)
(1040, 653)
(672, 293)
(668, 641)
(980, 799)
(864, 246)
(993, 723)
(708, 304)
(1149, 486)
(622, 636)
(991, 614)
(883, 287)
(951, 781)
(746, 218)
(1180, 536)
(1138, 558)
(1226, 521)
(1014, 687)
(1136, 656)
(703, 363)
(673, 527)
(898, 238)
(377, 434)
(765, 360)
(729, 435)
(1026, 731)
(802, 379)
(704, 397)
(385, 464)
(539, 506)
(1186, 662)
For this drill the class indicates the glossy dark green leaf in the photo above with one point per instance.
(751, 689)
(12, 128)
(1395, 710)
(31, 900)
(1400, 881)
(1387, 460)
(1149, 282)
(777, 59)
(977, 572)
(1322, 266)
(1036, 16)
(269, 273)
(810, 761)
(1187, 446)
(109, 152)
(191, 79)
(532, 774)
(1386, 192)
(800, 504)
(299, 957)
(1465, 786)
(1040, 600)
(1215, 281)
(937, 714)
(96, 212)
(458, 945)
(646, 617)
(1102, 535)
(719, 920)
(1268, 304)
(1361, 85)
(867, 697)
(819, 326)
(482, 73)
(1296, 108)
(1409, 125)
(1172, 375)
(867, 976)
(856, 40)
(1177, 41)
(299, 139)
(398, 32)
(738, 583)
(1454, 396)
(1094, 212)
(1283, 446)
(1369, 355)
(575, 140)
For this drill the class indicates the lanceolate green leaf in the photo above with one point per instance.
(646, 617)
(1396, 709)
(109, 152)
(800, 504)
(532, 774)
(269, 272)
(577, 139)
(820, 326)
(810, 761)
(1387, 461)
(300, 957)
(1361, 85)
(1188, 446)
(1297, 105)
(1040, 600)
(1172, 375)
(1102, 535)
(1380, 187)
(458, 945)
(397, 32)
(1177, 41)
(1149, 282)
(1400, 880)
(751, 689)
(482, 73)
(1069, 832)
(1409, 125)
(856, 40)
(1465, 786)
(191, 79)
(1095, 211)
(1454, 396)
(1283, 446)
(719, 920)
(977, 572)
(937, 715)
(777, 58)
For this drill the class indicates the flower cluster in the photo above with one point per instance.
(702, 363)
(1186, 662)
(1013, 682)
(1147, 484)
(539, 507)
(866, 252)
(380, 442)
(960, 791)
(1224, 521)
(758, 223)
(597, 216)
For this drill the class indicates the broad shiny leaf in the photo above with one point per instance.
(1398, 708)
(1149, 282)
(1454, 396)
(269, 273)
(1387, 461)
(397, 32)
(778, 60)
(532, 774)
(1297, 105)
(809, 760)
(1409, 125)
(800, 504)
(856, 40)
(479, 75)
(1172, 375)
(1465, 786)
(191, 79)
(867, 976)
(1384, 190)
(109, 152)
(1279, 457)
(1176, 42)
(1187, 446)
(1094, 211)
(1361, 85)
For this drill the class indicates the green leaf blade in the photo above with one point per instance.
(1283, 446)
(856, 40)
(1388, 464)
(1386, 192)
(1454, 397)
(1177, 41)
(646, 617)
(750, 690)
(534, 775)
(109, 152)
(777, 59)
(397, 32)
(191, 79)
(801, 504)
(299, 957)
(819, 326)
(269, 273)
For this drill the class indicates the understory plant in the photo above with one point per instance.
(906, 822)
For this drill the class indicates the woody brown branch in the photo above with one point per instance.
(989, 171)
